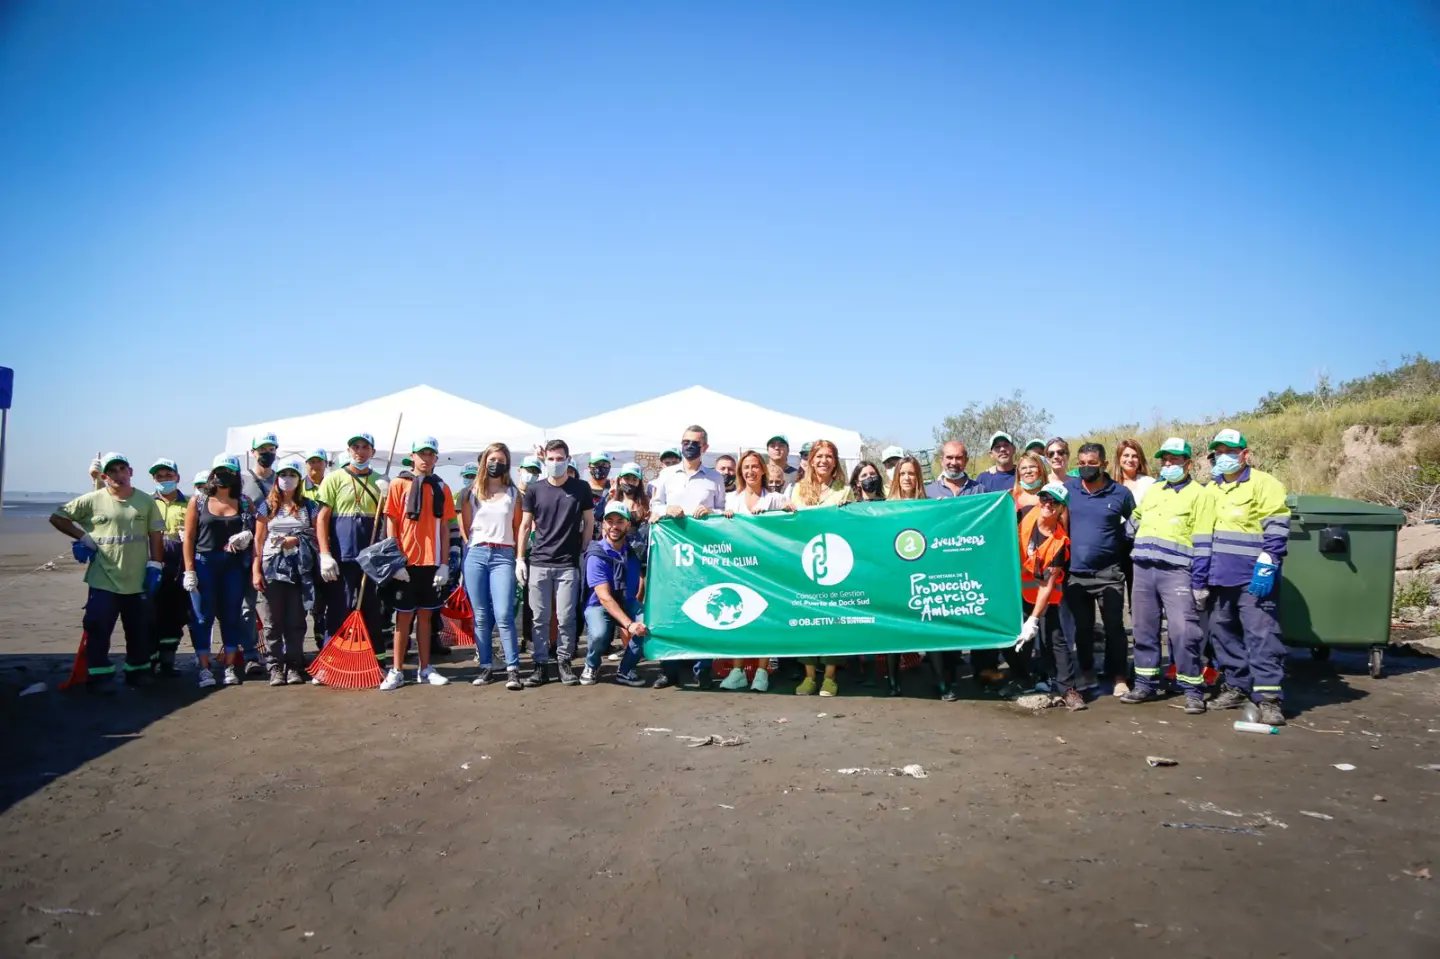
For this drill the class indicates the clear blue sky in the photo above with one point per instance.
(870, 214)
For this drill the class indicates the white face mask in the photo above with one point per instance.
(556, 470)
(287, 483)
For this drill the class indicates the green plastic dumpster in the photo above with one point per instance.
(1338, 580)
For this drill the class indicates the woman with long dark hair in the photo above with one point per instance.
(219, 534)
(284, 570)
(867, 483)
(489, 519)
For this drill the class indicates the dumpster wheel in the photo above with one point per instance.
(1377, 661)
(1321, 654)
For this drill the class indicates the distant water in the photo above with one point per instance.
(28, 508)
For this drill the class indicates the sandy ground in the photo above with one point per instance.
(307, 821)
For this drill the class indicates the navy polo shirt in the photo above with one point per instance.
(996, 482)
(936, 489)
(1097, 525)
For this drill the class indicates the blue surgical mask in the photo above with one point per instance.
(1216, 472)
(1032, 485)
(1172, 473)
(1227, 463)
(168, 486)
(954, 476)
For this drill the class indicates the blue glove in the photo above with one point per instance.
(153, 572)
(81, 552)
(1262, 581)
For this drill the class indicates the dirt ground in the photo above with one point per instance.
(447, 821)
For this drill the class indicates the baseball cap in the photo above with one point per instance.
(1056, 491)
(670, 452)
(425, 443)
(530, 463)
(360, 436)
(892, 453)
(264, 439)
(406, 461)
(632, 469)
(470, 469)
(225, 461)
(164, 464)
(617, 509)
(1174, 446)
(317, 453)
(778, 436)
(601, 457)
(1001, 435)
(1035, 444)
(113, 457)
(805, 448)
(293, 464)
(202, 477)
(1228, 437)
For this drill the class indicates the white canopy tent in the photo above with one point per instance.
(733, 425)
(462, 428)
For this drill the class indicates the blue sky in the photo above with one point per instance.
(868, 214)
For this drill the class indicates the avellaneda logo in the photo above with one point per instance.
(827, 559)
(724, 606)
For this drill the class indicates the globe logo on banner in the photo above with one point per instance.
(827, 559)
(724, 606)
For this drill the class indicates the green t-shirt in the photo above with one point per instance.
(121, 528)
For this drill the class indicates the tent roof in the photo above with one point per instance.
(732, 425)
(462, 428)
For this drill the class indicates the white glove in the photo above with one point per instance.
(95, 465)
(383, 485)
(191, 581)
(240, 541)
(90, 543)
(1201, 596)
(329, 569)
(402, 575)
(1029, 631)
(442, 576)
(522, 571)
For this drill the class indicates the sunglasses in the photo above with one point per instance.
(1057, 452)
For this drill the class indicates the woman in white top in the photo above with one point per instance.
(823, 483)
(751, 498)
(489, 518)
(1135, 475)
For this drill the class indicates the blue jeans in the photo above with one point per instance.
(600, 628)
(221, 596)
(489, 573)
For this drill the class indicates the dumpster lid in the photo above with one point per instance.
(1336, 507)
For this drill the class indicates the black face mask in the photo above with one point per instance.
(729, 484)
(870, 484)
(266, 460)
(690, 450)
(496, 469)
(1089, 473)
(600, 472)
(628, 489)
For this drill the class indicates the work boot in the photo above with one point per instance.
(1230, 698)
(1140, 694)
(1194, 704)
(1270, 712)
(567, 672)
(537, 676)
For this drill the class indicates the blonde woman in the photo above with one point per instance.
(1031, 474)
(489, 518)
(909, 480)
(751, 498)
(822, 485)
(908, 483)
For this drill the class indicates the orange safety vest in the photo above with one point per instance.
(1033, 565)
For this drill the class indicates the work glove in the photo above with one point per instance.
(84, 549)
(1201, 597)
(329, 569)
(240, 542)
(1262, 580)
(153, 572)
(191, 581)
(1029, 631)
(442, 576)
(95, 468)
(522, 571)
(401, 575)
(383, 485)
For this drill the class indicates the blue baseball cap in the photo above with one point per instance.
(264, 439)
(225, 461)
(163, 464)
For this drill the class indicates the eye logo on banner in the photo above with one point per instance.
(724, 606)
(827, 559)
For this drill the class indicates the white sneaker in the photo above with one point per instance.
(762, 680)
(207, 678)
(432, 676)
(613, 657)
(1121, 688)
(231, 679)
(393, 680)
(587, 678)
(735, 679)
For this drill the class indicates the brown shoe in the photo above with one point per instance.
(1074, 701)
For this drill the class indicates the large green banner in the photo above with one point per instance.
(864, 578)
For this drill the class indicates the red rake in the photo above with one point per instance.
(458, 609)
(348, 660)
(80, 670)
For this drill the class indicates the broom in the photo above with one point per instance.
(80, 669)
(458, 611)
(348, 659)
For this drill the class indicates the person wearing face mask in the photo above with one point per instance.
(316, 462)
(1030, 475)
(284, 570)
(725, 466)
(490, 517)
(689, 488)
(953, 480)
(1044, 565)
(1252, 530)
(890, 458)
(256, 484)
(558, 511)
(1100, 511)
(529, 471)
(349, 498)
(999, 478)
(199, 480)
(219, 537)
(1172, 528)
(118, 533)
(417, 514)
(599, 482)
(171, 608)
(867, 483)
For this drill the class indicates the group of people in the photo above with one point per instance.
(259, 550)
